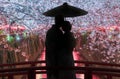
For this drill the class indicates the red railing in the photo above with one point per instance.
(31, 69)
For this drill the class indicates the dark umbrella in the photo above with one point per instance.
(66, 11)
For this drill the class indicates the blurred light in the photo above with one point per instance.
(17, 37)
(24, 34)
(118, 35)
(9, 38)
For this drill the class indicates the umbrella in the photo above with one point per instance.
(66, 11)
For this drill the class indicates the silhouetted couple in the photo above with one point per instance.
(59, 47)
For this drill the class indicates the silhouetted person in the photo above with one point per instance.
(66, 56)
(53, 44)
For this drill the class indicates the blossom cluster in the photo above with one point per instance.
(102, 44)
(30, 12)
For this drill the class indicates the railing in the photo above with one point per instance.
(31, 69)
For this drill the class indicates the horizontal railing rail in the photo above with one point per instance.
(82, 62)
(88, 70)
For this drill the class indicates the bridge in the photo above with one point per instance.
(31, 69)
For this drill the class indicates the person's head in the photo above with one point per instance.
(59, 19)
(66, 26)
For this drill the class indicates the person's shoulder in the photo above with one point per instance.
(70, 33)
(52, 29)
(53, 25)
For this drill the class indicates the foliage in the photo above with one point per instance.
(13, 50)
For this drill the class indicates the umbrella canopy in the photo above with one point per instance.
(66, 11)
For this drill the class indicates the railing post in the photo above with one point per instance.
(31, 74)
(10, 77)
(88, 74)
(109, 77)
